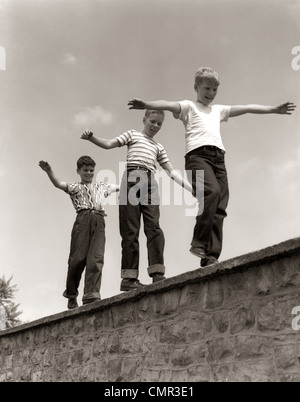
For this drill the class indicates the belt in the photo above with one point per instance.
(91, 211)
(206, 147)
(131, 168)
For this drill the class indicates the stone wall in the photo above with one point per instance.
(2, 318)
(228, 322)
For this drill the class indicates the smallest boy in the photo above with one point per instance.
(88, 233)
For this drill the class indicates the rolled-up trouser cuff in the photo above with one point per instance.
(129, 273)
(91, 296)
(156, 269)
(69, 296)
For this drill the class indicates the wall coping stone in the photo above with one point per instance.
(236, 264)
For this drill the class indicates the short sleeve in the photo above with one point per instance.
(185, 107)
(162, 156)
(125, 138)
(106, 189)
(224, 112)
(72, 188)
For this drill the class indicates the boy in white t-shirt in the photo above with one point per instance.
(205, 152)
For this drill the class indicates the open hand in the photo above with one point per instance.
(135, 103)
(286, 108)
(86, 135)
(45, 166)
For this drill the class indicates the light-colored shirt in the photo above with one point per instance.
(142, 151)
(202, 124)
(88, 196)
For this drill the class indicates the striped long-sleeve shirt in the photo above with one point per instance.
(142, 150)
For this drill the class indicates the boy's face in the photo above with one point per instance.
(152, 124)
(206, 91)
(86, 173)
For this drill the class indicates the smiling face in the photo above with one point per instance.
(86, 173)
(206, 91)
(153, 123)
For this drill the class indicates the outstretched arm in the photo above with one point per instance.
(114, 188)
(100, 142)
(173, 107)
(285, 108)
(56, 182)
(174, 175)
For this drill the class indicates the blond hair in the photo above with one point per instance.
(206, 73)
(148, 112)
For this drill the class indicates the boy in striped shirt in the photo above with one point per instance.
(139, 196)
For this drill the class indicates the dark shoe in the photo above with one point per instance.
(158, 277)
(130, 284)
(72, 303)
(89, 301)
(198, 252)
(205, 262)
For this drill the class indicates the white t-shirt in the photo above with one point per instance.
(202, 124)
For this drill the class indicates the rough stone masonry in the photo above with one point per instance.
(2, 318)
(232, 322)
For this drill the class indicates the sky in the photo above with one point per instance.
(70, 65)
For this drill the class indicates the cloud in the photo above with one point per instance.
(249, 165)
(3, 4)
(291, 165)
(93, 116)
(2, 58)
(286, 174)
(293, 8)
(69, 58)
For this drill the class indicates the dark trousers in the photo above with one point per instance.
(87, 251)
(139, 197)
(208, 230)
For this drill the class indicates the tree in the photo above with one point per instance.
(7, 295)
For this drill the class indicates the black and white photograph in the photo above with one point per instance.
(150, 187)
